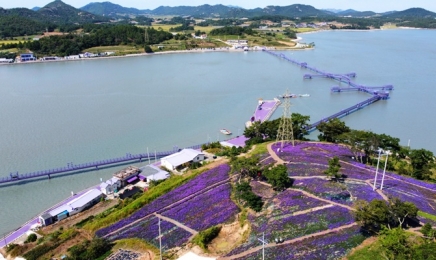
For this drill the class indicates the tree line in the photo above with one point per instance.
(93, 36)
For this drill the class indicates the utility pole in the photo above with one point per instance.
(376, 171)
(384, 171)
(148, 154)
(286, 131)
(263, 245)
(160, 240)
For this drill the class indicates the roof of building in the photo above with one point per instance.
(103, 185)
(61, 209)
(159, 176)
(150, 170)
(184, 156)
(85, 198)
(112, 180)
(127, 172)
(46, 216)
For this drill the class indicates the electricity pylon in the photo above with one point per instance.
(285, 131)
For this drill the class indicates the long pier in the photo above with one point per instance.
(16, 177)
(377, 92)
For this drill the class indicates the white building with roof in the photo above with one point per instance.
(152, 173)
(185, 156)
(110, 186)
(72, 207)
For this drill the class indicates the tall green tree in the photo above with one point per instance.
(333, 170)
(331, 130)
(422, 160)
(278, 177)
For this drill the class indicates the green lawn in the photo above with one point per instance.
(119, 50)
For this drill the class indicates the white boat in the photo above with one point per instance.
(304, 95)
(225, 131)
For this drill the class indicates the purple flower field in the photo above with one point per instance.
(320, 187)
(303, 169)
(331, 246)
(205, 210)
(363, 192)
(148, 230)
(304, 152)
(291, 201)
(197, 184)
(289, 227)
(422, 198)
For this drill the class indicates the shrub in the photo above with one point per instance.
(203, 238)
(31, 238)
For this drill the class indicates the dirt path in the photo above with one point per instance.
(312, 210)
(315, 197)
(377, 190)
(180, 225)
(270, 245)
(274, 155)
(321, 199)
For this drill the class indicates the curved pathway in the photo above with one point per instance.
(274, 155)
(298, 239)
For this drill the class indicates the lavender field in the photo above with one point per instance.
(206, 210)
(197, 184)
(331, 246)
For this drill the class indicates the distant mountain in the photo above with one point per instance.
(331, 10)
(412, 12)
(60, 13)
(110, 9)
(229, 11)
(201, 11)
(354, 13)
(296, 10)
(36, 8)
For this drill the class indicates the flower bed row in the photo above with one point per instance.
(205, 210)
(331, 246)
(197, 184)
(291, 201)
(422, 198)
(148, 229)
(294, 226)
(311, 152)
(345, 193)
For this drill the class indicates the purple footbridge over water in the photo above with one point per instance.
(70, 168)
(378, 93)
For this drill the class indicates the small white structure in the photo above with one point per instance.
(4, 60)
(110, 186)
(152, 173)
(173, 161)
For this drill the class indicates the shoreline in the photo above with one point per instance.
(162, 53)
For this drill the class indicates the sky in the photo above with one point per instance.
(359, 5)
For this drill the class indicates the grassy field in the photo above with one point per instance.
(165, 27)
(8, 41)
(119, 50)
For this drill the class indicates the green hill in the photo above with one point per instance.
(110, 9)
(412, 12)
(60, 13)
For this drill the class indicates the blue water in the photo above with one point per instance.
(52, 114)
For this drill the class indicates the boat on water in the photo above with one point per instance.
(288, 96)
(225, 131)
(304, 95)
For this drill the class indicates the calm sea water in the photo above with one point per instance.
(52, 114)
